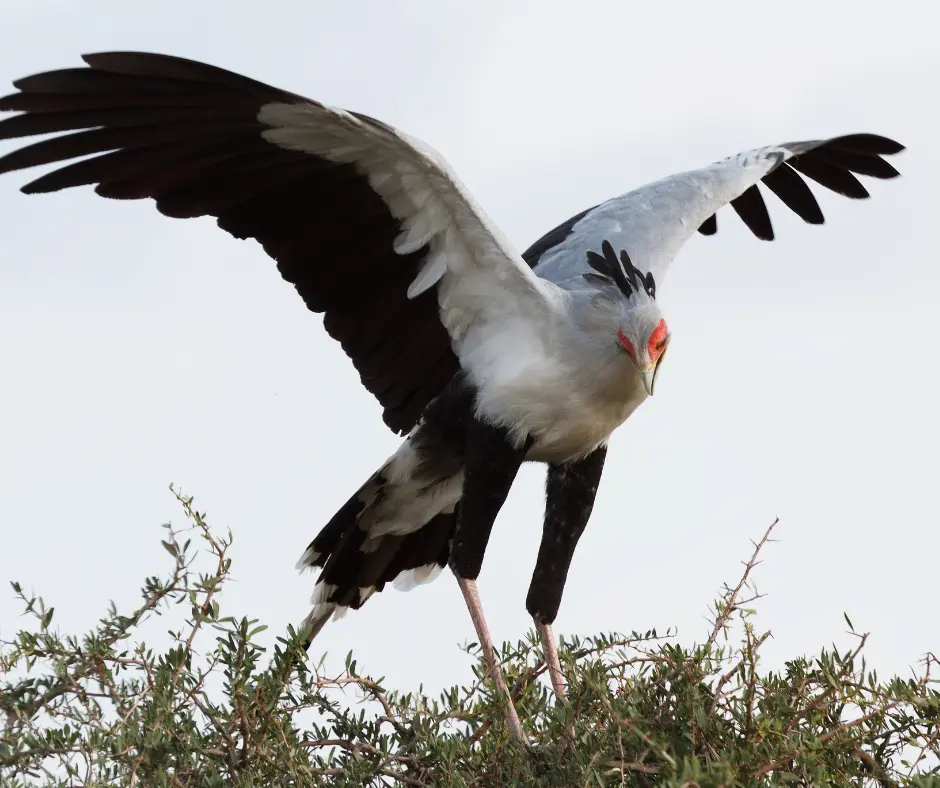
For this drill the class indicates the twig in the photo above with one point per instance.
(732, 602)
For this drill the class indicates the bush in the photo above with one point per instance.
(216, 709)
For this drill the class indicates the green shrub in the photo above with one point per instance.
(216, 709)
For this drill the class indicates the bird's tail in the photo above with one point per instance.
(397, 527)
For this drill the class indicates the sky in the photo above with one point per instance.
(138, 351)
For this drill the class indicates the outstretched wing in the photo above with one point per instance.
(653, 222)
(371, 226)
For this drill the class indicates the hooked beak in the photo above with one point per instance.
(649, 378)
(649, 373)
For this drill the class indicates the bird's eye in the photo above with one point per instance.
(626, 344)
(658, 340)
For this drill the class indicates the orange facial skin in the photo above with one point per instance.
(626, 344)
(657, 342)
(655, 347)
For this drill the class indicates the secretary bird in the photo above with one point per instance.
(482, 357)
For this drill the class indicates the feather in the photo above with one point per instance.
(829, 175)
(794, 193)
(753, 212)
(709, 226)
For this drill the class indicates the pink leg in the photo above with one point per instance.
(550, 652)
(472, 598)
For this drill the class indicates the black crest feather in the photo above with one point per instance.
(621, 271)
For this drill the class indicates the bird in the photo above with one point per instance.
(481, 358)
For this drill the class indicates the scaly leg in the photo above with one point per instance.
(472, 598)
(491, 462)
(550, 652)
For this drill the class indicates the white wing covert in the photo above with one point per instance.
(481, 279)
(371, 226)
(652, 223)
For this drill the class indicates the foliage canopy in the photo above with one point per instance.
(217, 709)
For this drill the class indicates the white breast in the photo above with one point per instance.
(546, 384)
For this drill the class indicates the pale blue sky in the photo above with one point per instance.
(136, 351)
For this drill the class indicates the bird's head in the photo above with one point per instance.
(644, 336)
(642, 332)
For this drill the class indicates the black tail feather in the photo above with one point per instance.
(351, 574)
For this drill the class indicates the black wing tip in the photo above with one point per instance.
(23, 84)
(8, 103)
(91, 57)
(110, 58)
(765, 236)
(866, 142)
(709, 226)
(752, 210)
